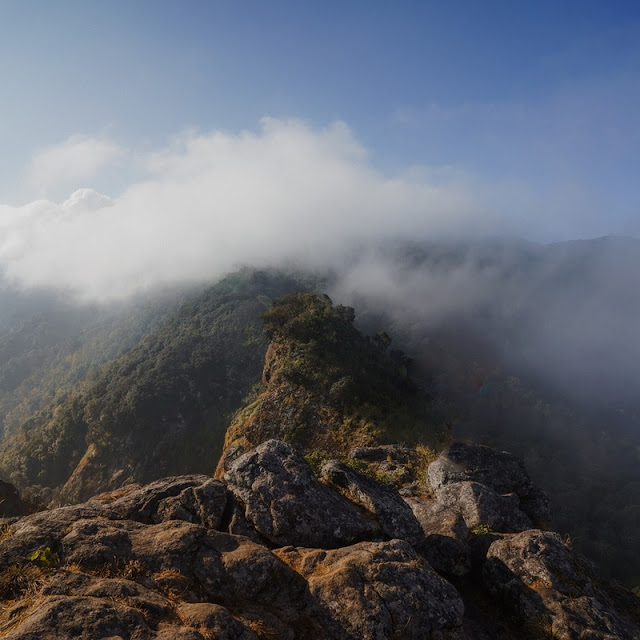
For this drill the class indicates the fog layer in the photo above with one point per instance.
(210, 202)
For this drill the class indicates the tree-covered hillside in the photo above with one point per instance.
(62, 346)
(161, 407)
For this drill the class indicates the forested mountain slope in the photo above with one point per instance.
(62, 345)
(161, 407)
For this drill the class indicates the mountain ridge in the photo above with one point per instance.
(584, 457)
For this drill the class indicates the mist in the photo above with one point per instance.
(209, 202)
(417, 246)
(564, 314)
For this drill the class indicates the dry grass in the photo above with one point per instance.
(15, 613)
(5, 531)
(110, 496)
(261, 629)
(207, 633)
(20, 580)
(171, 584)
(540, 584)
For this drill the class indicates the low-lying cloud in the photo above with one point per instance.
(567, 312)
(288, 193)
(71, 163)
(209, 202)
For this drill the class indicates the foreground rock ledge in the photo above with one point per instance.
(341, 559)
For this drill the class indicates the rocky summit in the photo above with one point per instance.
(280, 548)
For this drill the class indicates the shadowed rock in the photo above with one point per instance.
(481, 506)
(194, 498)
(539, 577)
(446, 555)
(375, 590)
(392, 513)
(286, 503)
(437, 518)
(499, 470)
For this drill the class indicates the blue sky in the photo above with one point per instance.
(528, 112)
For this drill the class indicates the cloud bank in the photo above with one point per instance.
(77, 160)
(209, 202)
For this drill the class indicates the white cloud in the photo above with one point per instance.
(70, 164)
(216, 200)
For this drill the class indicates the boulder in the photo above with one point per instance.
(480, 506)
(94, 543)
(286, 503)
(538, 577)
(215, 621)
(194, 498)
(75, 583)
(499, 470)
(436, 518)
(392, 513)
(378, 590)
(85, 618)
(41, 530)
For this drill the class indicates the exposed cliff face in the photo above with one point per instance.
(271, 551)
(327, 388)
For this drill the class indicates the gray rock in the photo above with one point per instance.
(537, 576)
(239, 525)
(437, 519)
(392, 513)
(74, 583)
(379, 591)
(41, 530)
(499, 470)
(481, 506)
(286, 503)
(85, 618)
(194, 498)
(95, 543)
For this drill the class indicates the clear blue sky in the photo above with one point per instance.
(535, 105)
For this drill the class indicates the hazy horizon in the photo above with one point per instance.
(151, 143)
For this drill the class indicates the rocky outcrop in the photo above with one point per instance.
(480, 506)
(287, 505)
(502, 472)
(326, 387)
(539, 578)
(377, 590)
(382, 501)
(271, 551)
(479, 490)
(196, 498)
